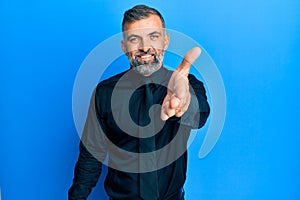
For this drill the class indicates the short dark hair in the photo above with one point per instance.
(139, 12)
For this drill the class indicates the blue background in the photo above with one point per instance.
(255, 44)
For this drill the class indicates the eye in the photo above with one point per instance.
(133, 39)
(154, 37)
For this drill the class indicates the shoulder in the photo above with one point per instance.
(109, 84)
(194, 81)
(192, 77)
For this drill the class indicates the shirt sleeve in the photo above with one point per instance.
(198, 110)
(92, 152)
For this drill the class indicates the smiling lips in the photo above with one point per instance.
(144, 57)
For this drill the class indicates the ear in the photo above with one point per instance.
(123, 47)
(167, 41)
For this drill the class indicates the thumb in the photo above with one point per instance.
(188, 60)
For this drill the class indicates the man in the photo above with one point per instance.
(145, 143)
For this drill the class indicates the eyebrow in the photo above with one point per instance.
(155, 32)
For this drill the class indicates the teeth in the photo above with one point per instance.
(145, 56)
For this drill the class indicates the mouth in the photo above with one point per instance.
(145, 57)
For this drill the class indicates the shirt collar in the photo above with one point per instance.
(133, 80)
(160, 77)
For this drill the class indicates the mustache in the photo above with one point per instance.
(148, 52)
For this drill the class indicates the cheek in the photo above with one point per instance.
(159, 52)
(131, 53)
(160, 42)
(132, 47)
(159, 46)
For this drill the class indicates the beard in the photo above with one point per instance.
(146, 67)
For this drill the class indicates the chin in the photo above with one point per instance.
(147, 70)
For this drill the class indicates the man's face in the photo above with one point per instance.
(144, 42)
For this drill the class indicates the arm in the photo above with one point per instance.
(178, 97)
(186, 96)
(198, 110)
(91, 155)
(86, 175)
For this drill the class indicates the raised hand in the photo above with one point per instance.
(178, 96)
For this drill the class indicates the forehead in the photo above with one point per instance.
(153, 22)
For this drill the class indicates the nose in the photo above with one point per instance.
(144, 45)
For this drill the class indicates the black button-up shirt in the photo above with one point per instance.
(112, 129)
